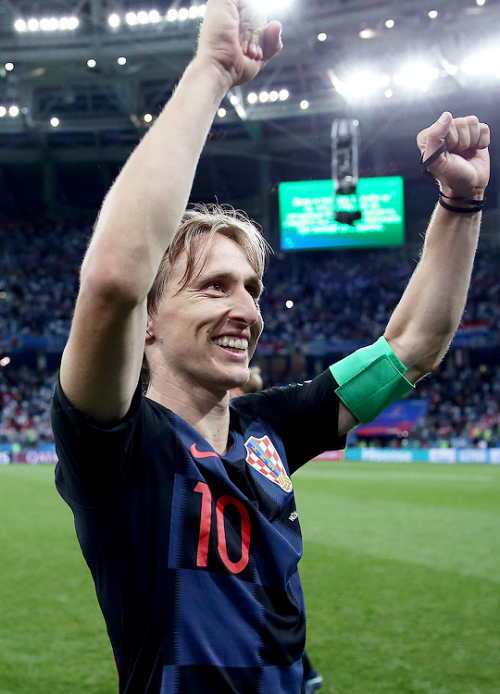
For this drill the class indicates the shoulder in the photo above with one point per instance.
(144, 415)
(278, 401)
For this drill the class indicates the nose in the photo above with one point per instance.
(245, 309)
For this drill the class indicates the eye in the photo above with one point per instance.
(254, 292)
(215, 286)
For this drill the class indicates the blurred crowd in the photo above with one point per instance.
(25, 396)
(339, 296)
(39, 267)
(314, 303)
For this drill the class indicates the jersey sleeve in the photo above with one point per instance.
(91, 458)
(304, 415)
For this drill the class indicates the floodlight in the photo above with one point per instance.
(201, 10)
(416, 75)
(91, 63)
(183, 14)
(283, 95)
(432, 14)
(154, 16)
(3, 111)
(122, 60)
(289, 303)
(33, 24)
(476, 64)
(480, 2)
(172, 15)
(390, 23)
(14, 111)
(148, 117)
(142, 17)
(366, 34)
(9, 67)
(361, 83)
(322, 36)
(49, 24)
(73, 23)
(388, 93)
(252, 98)
(193, 11)
(304, 104)
(114, 21)
(264, 97)
(274, 96)
(5, 361)
(233, 99)
(20, 25)
(481, 63)
(54, 122)
(221, 112)
(131, 18)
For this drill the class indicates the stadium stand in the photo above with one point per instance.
(341, 301)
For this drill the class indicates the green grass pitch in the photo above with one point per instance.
(401, 573)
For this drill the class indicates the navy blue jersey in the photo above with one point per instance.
(194, 555)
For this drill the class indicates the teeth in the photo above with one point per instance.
(232, 342)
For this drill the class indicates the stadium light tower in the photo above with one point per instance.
(345, 170)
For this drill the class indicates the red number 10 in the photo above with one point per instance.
(205, 524)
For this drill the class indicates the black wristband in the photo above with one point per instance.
(462, 210)
(459, 198)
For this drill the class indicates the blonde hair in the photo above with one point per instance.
(207, 221)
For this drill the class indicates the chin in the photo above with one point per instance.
(236, 379)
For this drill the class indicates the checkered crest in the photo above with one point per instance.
(263, 457)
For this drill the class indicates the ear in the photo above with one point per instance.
(150, 335)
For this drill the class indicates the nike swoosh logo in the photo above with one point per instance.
(203, 454)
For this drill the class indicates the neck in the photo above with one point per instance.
(206, 412)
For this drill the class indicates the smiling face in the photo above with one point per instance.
(204, 333)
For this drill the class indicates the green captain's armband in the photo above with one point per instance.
(370, 379)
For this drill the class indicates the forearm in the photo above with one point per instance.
(144, 206)
(432, 305)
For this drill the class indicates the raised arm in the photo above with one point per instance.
(426, 318)
(429, 312)
(102, 361)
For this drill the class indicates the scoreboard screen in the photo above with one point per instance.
(307, 207)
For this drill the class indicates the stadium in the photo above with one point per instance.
(401, 563)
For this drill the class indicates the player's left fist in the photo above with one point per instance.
(463, 169)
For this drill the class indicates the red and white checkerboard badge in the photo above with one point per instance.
(263, 457)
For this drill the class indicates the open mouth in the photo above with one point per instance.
(232, 344)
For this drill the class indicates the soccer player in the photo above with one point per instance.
(183, 505)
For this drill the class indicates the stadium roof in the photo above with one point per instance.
(51, 78)
(417, 58)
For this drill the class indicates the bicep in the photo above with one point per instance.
(102, 361)
(347, 420)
